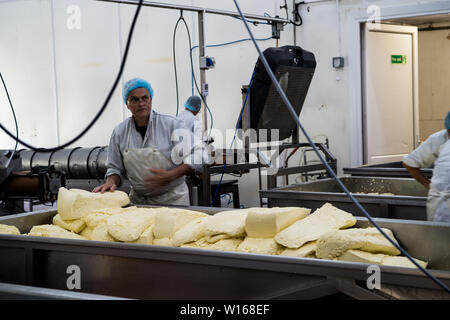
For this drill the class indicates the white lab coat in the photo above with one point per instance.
(192, 122)
(438, 204)
(435, 150)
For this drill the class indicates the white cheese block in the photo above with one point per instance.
(230, 244)
(87, 233)
(260, 246)
(362, 256)
(191, 232)
(53, 231)
(76, 225)
(379, 258)
(308, 250)
(128, 226)
(95, 219)
(323, 220)
(100, 233)
(169, 220)
(200, 243)
(226, 224)
(75, 203)
(334, 243)
(267, 222)
(402, 262)
(100, 216)
(162, 242)
(146, 236)
(7, 229)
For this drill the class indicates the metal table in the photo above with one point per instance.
(390, 169)
(407, 202)
(158, 272)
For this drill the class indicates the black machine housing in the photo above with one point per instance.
(294, 69)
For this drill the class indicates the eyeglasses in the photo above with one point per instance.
(136, 100)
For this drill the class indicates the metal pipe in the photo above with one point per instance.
(201, 47)
(198, 9)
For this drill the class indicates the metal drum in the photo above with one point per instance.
(60, 159)
(97, 162)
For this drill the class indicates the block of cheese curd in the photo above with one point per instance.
(129, 225)
(191, 232)
(75, 203)
(100, 216)
(76, 225)
(308, 250)
(404, 262)
(334, 243)
(100, 233)
(7, 229)
(146, 236)
(169, 220)
(200, 243)
(230, 244)
(226, 224)
(162, 241)
(260, 246)
(87, 233)
(267, 222)
(53, 231)
(379, 258)
(323, 220)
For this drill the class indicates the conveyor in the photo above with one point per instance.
(158, 272)
(382, 197)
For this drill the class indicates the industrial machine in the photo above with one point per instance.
(39, 183)
(265, 123)
(158, 272)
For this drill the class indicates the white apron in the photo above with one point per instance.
(438, 205)
(137, 163)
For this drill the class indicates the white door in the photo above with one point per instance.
(390, 92)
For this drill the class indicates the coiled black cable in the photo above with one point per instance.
(15, 121)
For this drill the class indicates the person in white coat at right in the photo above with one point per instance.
(435, 150)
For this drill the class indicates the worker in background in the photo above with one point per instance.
(189, 116)
(142, 149)
(435, 150)
(192, 107)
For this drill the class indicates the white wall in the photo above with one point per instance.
(59, 77)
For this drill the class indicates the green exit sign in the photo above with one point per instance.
(398, 59)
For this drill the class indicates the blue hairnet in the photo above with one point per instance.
(447, 121)
(135, 83)
(193, 103)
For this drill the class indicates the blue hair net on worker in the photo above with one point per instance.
(135, 83)
(193, 103)
(447, 121)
